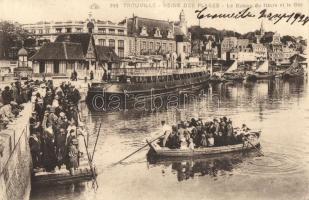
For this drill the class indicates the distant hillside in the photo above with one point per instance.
(198, 33)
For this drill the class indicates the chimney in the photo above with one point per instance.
(136, 22)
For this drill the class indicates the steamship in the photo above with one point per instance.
(147, 78)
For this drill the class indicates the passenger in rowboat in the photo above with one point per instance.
(172, 141)
(166, 129)
(197, 134)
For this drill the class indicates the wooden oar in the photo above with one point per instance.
(90, 164)
(148, 142)
(96, 141)
(254, 146)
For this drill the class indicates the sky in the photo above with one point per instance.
(31, 11)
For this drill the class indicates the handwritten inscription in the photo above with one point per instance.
(248, 13)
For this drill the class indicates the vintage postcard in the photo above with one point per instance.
(154, 99)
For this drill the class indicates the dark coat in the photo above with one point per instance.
(7, 97)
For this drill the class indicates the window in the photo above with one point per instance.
(78, 30)
(130, 45)
(42, 67)
(158, 46)
(47, 31)
(144, 31)
(157, 33)
(120, 44)
(169, 34)
(120, 53)
(40, 31)
(102, 42)
(184, 49)
(111, 43)
(121, 32)
(144, 45)
(68, 30)
(171, 47)
(121, 48)
(56, 67)
(102, 30)
(58, 30)
(111, 31)
(164, 46)
(151, 45)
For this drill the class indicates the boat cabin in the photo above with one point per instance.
(152, 70)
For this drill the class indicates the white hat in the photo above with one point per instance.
(13, 103)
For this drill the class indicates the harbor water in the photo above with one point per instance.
(279, 108)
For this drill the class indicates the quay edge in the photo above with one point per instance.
(15, 158)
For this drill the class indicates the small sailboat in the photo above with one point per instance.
(295, 70)
(262, 72)
(231, 74)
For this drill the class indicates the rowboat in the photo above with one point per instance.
(63, 177)
(251, 142)
(238, 155)
(86, 171)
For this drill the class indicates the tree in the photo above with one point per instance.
(268, 37)
(287, 38)
(12, 37)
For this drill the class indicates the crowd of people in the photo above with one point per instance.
(54, 136)
(11, 100)
(196, 133)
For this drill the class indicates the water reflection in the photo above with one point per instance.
(59, 191)
(212, 166)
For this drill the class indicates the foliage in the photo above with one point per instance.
(12, 37)
(287, 38)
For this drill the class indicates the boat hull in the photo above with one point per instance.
(233, 77)
(292, 75)
(167, 152)
(128, 93)
(253, 77)
(62, 177)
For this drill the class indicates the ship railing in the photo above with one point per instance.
(154, 71)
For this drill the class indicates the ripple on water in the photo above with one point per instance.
(272, 164)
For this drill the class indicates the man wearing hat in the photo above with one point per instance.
(7, 95)
(62, 121)
(52, 117)
(60, 143)
(230, 133)
(39, 109)
(74, 95)
(48, 99)
(34, 124)
(6, 112)
(166, 130)
(35, 149)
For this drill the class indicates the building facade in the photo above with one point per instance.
(151, 36)
(259, 50)
(105, 33)
(73, 52)
(132, 36)
(227, 44)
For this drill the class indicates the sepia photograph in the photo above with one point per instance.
(154, 100)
